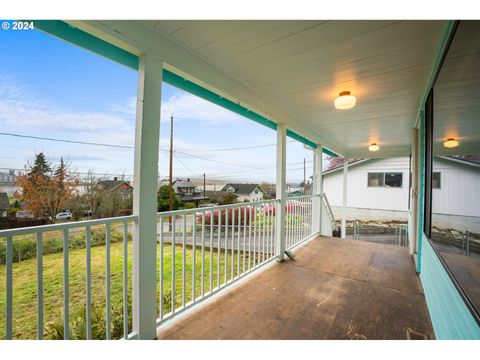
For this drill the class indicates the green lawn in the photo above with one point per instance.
(25, 288)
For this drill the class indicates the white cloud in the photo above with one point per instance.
(185, 106)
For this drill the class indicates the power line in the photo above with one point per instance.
(127, 146)
(235, 149)
(67, 141)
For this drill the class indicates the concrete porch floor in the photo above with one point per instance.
(334, 289)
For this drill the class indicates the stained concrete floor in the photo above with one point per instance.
(334, 289)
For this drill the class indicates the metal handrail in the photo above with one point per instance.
(329, 211)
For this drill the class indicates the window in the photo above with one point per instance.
(256, 191)
(452, 215)
(389, 179)
(436, 180)
(393, 179)
(375, 179)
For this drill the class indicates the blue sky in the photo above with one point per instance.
(50, 88)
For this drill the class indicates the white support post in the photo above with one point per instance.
(317, 189)
(147, 132)
(344, 198)
(281, 189)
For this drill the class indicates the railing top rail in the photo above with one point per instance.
(66, 225)
(219, 207)
(302, 196)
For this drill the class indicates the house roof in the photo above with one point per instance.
(4, 204)
(182, 183)
(109, 185)
(350, 164)
(469, 162)
(243, 189)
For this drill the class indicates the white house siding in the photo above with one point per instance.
(459, 192)
(360, 196)
(251, 197)
(456, 205)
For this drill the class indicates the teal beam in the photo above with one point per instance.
(84, 40)
(87, 41)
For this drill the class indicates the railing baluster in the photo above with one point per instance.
(238, 239)
(226, 246)
(264, 216)
(66, 320)
(174, 231)
(194, 252)
(211, 250)
(255, 237)
(161, 267)
(271, 233)
(9, 290)
(233, 239)
(88, 285)
(40, 285)
(219, 227)
(125, 279)
(107, 281)
(244, 235)
(250, 208)
(184, 259)
(203, 255)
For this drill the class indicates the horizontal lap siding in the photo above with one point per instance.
(451, 319)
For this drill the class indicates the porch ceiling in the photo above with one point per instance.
(295, 70)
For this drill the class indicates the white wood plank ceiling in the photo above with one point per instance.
(292, 71)
(456, 95)
(301, 66)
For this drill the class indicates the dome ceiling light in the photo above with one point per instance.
(450, 143)
(345, 101)
(373, 147)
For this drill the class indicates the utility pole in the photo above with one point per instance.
(203, 186)
(170, 205)
(304, 176)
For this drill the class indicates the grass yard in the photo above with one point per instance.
(25, 289)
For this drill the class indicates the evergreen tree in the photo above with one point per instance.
(40, 166)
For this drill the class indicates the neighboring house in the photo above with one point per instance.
(378, 189)
(4, 205)
(8, 182)
(185, 190)
(245, 192)
(122, 187)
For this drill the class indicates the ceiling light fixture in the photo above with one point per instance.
(450, 143)
(373, 147)
(345, 101)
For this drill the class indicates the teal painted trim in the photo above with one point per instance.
(421, 151)
(451, 318)
(87, 41)
(84, 40)
(444, 38)
(191, 87)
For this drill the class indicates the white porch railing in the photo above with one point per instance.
(65, 234)
(298, 219)
(199, 252)
(206, 249)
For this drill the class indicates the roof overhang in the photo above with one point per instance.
(291, 71)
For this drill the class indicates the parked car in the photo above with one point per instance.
(66, 215)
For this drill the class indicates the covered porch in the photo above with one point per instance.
(334, 289)
(234, 280)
